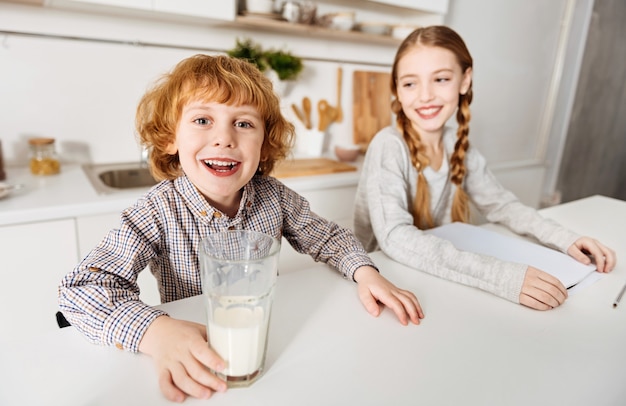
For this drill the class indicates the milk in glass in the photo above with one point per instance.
(238, 335)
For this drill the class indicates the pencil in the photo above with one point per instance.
(619, 297)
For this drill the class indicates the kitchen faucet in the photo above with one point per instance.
(145, 155)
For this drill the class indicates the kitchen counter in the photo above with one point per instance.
(70, 194)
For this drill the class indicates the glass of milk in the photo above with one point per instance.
(238, 269)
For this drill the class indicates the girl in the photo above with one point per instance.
(419, 174)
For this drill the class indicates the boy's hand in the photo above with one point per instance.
(182, 357)
(373, 288)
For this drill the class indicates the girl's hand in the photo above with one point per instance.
(182, 357)
(541, 291)
(584, 247)
(374, 288)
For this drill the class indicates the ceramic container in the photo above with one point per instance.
(402, 31)
(260, 6)
(375, 28)
(347, 153)
(343, 21)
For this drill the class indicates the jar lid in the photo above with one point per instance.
(41, 141)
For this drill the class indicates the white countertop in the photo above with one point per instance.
(472, 348)
(70, 194)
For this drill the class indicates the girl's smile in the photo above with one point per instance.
(429, 112)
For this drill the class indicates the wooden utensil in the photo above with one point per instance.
(371, 105)
(339, 115)
(325, 115)
(306, 106)
(298, 114)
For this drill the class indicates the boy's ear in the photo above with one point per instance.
(171, 148)
(467, 81)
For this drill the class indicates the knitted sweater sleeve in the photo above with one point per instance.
(499, 205)
(382, 215)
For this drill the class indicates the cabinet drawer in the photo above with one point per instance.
(35, 257)
(336, 204)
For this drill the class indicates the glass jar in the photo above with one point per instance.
(43, 158)
(3, 174)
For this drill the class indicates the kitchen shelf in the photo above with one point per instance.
(313, 30)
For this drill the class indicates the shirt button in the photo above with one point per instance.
(248, 204)
(231, 227)
(119, 346)
(203, 213)
(94, 269)
(217, 214)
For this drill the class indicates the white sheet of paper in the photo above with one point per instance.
(467, 237)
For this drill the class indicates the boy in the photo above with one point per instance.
(214, 130)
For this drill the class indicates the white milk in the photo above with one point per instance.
(238, 335)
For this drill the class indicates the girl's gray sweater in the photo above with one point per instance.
(383, 220)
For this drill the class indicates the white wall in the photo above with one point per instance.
(527, 57)
(84, 93)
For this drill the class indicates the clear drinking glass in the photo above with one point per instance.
(238, 270)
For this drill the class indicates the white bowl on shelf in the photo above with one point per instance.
(260, 6)
(343, 21)
(374, 28)
(401, 31)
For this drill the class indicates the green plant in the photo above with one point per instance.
(248, 50)
(286, 65)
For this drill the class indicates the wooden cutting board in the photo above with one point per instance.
(311, 166)
(371, 107)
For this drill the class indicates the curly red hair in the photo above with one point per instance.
(221, 79)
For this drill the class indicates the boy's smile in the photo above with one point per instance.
(221, 167)
(219, 147)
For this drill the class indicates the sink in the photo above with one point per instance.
(111, 178)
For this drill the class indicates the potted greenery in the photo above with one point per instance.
(248, 50)
(280, 66)
(286, 65)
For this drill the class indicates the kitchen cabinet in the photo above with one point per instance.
(138, 4)
(432, 6)
(35, 257)
(225, 10)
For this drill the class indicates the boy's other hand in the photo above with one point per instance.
(374, 288)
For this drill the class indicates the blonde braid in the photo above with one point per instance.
(422, 217)
(460, 205)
